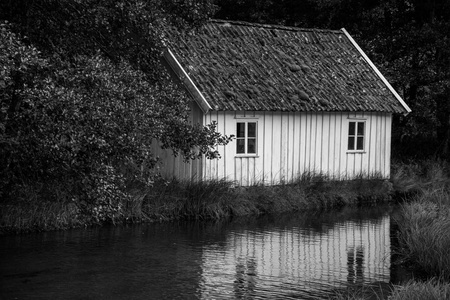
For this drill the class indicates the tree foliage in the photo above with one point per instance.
(84, 95)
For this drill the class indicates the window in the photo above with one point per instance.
(246, 138)
(356, 131)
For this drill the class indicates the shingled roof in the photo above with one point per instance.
(237, 66)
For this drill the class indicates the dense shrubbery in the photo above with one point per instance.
(82, 96)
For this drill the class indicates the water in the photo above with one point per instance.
(295, 256)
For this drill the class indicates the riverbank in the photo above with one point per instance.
(424, 221)
(412, 290)
(423, 233)
(423, 224)
(175, 200)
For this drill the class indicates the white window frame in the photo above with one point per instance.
(355, 135)
(246, 137)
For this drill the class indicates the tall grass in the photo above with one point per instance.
(427, 290)
(424, 222)
(432, 289)
(35, 216)
(169, 200)
(214, 199)
(375, 291)
(416, 177)
(425, 235)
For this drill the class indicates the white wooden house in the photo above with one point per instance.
(296, 100)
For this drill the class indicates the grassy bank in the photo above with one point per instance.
(430, 289)
(172, 200)
(424, 221)
(414, 290)
(423, 232)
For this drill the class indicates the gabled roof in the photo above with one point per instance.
(237, 66)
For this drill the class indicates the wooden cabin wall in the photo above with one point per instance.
(291, 144)
(171, 166)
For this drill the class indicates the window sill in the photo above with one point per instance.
(246, 155)
(356, 151)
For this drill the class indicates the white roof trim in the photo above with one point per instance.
(187, 81)
(408, 110)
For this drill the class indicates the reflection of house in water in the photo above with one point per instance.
(275, 261)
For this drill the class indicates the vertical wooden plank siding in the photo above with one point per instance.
(296, 153)
(388, 118)
(309, 150)
(228, 156)
(276, 147)
(372, 121)
(364, 167)
(302, 142)
(382, 144)
(332, 143)
(325, 149)
(294, 133)
(288, 145)
(207, 163)
(285, 147)
(377, 143)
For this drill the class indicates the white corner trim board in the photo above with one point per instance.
(187, 81)
(408, 110)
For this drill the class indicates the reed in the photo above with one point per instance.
(213, 199)
(375, 291)
(217, 199)
(424, 228)
(430, 290)
(169, 200)
(415, 178)
(38, 216)
(424, 221)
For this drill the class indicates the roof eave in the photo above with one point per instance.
(187, 81)
(367, 59)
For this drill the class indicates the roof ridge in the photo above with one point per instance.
(272, 26)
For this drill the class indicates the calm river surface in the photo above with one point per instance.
(295, 256)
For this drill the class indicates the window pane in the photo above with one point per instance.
(240, 146)
(251, 146)
(240, 130)
(251, 129)
(351, 128)
(351, 143)
(360, 128)
(360, 143)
